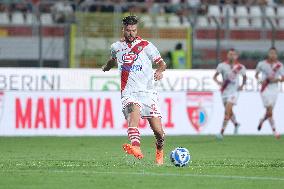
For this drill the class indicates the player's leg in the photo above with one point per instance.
(132, 115)
(235, 122)
(234, 119)
(151, 111)
(156, 125)
(227, 116)
(268, 99)
(262, 120)
(271, 121)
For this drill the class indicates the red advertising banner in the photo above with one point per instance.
(99, 113)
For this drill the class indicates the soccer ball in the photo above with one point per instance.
(180, 157)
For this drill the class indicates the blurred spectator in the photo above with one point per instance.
(178, 57)
(153, 7)
(108, 6)
(62, 12)
(193, 3)
(3, 7)
(266, 2)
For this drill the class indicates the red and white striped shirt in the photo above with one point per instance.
(135, 64)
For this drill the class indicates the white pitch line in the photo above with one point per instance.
(154, 174)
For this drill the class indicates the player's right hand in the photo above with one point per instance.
(104, 68)
(219, 83)
(158, 75)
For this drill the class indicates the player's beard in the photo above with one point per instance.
(271, 60)
(130, 38)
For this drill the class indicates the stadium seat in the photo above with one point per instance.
(255, 11)
(229, 9)
(46, 19)
(174, 21)
(4, 19)
(243, 22)
(241, 11)
(280, 11)
(273, 20)
(202, 22)
(256, 22)
(185, 24)
(232, 23)
(17, 18)
(255, 15)
(214, 10)
(161, 21)
(31, 19)
(269, 11)
(281, 23)
(147, 21)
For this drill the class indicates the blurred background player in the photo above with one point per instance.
(272, 72)
(230, 71)
(134, 57)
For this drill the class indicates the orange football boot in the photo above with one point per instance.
(159, 157)
(133, 150)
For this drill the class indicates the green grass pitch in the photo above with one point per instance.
(99, 162)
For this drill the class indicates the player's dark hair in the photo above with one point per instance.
(232, 49)
(130, 20)
(273, 48)
(179, 46)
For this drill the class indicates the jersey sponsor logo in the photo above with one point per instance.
(131, 68)
(129, 58)
(199, 108)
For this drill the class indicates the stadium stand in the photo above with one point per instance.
(165, 20)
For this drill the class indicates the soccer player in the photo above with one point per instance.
(134, 57)
(230, 70)
(272, 72)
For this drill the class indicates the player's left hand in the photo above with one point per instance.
(274, 80)
(158, 75)
(240, 88)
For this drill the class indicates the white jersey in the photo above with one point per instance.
(270, 71)
(230, 74)
(135, 65)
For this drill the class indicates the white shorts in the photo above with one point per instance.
(232, 98)
(147, 101)
(269, 97)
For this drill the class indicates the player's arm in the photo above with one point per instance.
(112, 61)
(110, 64)
(154, 55)
(276, 80)
(282, 79)
(257, 72)
(244, 82)
(161, 67)
(257, 75)
(216, 79)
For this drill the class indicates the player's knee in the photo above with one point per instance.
(160, 135)
(228, 116)
(269, 114)
(127, 110)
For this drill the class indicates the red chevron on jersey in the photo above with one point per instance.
(136, 50)
(265, 83)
